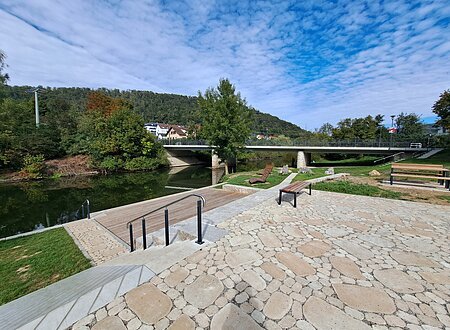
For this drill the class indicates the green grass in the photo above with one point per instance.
(241, 179)
(315, 173)
(445, 198)
(364, 160)
(33, 262)
(441, 158)
(346, 187)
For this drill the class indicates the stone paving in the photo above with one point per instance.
(336, 262)
(97, 243)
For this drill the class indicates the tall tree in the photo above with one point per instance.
(409, 126)
(442, 108)
(225, 119)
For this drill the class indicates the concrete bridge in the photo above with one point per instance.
(180, 151)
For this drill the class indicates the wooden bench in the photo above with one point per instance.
(264, 175)
(295, 188)
(421, 171)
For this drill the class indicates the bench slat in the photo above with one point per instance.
(420, 176)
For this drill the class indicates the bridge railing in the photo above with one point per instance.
(312, 143)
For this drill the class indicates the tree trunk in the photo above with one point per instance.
(226, 167)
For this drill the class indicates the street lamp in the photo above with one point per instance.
(392, 128)
(36, 104)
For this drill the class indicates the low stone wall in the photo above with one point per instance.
(240, 189)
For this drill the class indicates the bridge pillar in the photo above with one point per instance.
(215, 161)
(303, 159)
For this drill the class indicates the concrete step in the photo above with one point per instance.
(157, 258)
(63, 303)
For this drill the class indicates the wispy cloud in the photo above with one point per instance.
(304, 61)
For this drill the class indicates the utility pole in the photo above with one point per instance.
(392, 128)
(36, 105)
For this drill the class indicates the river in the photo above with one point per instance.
(32, 205)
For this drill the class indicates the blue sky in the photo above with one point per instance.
(308, 62)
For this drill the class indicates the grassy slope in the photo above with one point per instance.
(442, 158)
(241, 179)
(315, 173)
(33, 262)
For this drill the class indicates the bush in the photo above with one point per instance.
(34, 166)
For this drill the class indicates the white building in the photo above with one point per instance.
(158, 130)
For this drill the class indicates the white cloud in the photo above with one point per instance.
(306, 62)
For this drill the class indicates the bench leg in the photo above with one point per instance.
(310, 189)
(447, 183)
(391, 180)
(279, 199)
(295, 200)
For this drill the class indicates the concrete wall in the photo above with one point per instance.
(182, 158)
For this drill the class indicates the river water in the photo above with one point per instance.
(28, 206)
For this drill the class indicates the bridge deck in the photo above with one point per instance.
(115, 219)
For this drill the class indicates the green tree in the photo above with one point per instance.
(367, 128)
(225, 120)
(409, 126)
(442, 108)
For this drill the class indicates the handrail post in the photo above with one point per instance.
(144, 234)
(82, 211)
(199, 222)
(131, 238)
(88, 208)
(166, 225)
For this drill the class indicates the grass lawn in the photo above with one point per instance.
(445, 197)
(315, 173)
(346, 187)
(33, 262)
(364, 160)
(241, 179)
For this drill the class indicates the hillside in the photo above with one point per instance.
(154, 107)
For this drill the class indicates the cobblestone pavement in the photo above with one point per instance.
(95, 241)
(336, 262)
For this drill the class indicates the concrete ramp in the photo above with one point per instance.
(430, 153)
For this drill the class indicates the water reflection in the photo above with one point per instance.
(28, 206)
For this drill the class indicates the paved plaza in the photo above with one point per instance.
(336, 262)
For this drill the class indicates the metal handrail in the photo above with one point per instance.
(88, 209)
(165, 206)
(201, 200)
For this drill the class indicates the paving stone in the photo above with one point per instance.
(294, 231)
(203, 291)
(398, 281)
(249, 226)
(313, 221)
(436, 278)
(148, 303)
(421, 245)
(365, 299)
(241, 257)
(336, 232)
(322, 315)
(269, 239)
(413, 259)
(241, 239)
(253, 279)
(356, 225)
(134, 324)
(295, 263)
(392, 219)
(346, 267)
(231, 317)
(109, 323)
(376, 240)
(277, 306)
(176, 277)
(273, 270)
(355, 249)
(314, 248)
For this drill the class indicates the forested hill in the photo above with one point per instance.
(154, 107)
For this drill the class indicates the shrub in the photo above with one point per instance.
(33, 166)
(142, 163)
